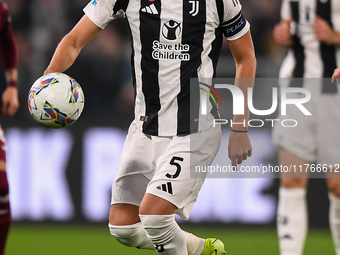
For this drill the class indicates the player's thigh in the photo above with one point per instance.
(134, 172)
(175, 180)
(159, 206)
(293, 179)
(328, 132)
(333, 185)
(300, 140)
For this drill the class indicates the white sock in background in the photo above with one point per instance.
(292, 220)
(334, 220)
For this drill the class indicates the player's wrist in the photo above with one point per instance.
(239, 130)
(12, 84)
(335, 38)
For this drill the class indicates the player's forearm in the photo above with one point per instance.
(64, 56)
(246, 67)
(335, 39)
(245, 74)
(11, 75)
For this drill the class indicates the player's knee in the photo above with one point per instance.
(130, 235)
(336, 192)
(293, 183)
(334, 188)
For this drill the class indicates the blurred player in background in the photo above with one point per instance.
(10, 104)
(173, 41)
(336, 75)
(311, 29)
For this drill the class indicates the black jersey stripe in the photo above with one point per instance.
(299, 53)
(193, 34)
(133, 68)
(328, 52)
(150, 24)
(220, 10)
(120, 5)
(295, 11)
(132, 63)
(298, 49)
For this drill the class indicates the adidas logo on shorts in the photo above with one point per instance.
(166, 187)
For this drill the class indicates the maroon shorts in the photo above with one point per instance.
(2, 145)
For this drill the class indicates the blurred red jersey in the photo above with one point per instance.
(8, 49)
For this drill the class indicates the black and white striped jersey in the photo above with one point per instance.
(172, 41)
(308, 57)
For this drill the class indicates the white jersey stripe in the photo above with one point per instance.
(313, 62)
(169, 71)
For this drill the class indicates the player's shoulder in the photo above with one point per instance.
(3, 6)
(231, 3)
(3, 9)
(232, 6)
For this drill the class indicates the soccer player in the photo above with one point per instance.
(10, 104)
(173, 41)
(311, 29)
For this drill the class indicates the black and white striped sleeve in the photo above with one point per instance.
(101, 12)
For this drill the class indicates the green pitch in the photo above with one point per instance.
(96, 240)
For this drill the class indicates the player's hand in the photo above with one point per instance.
(239, 148)
(281, 33)
(323, 31)
(10, 101)
(336, 75)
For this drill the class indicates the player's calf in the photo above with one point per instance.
(5, 214)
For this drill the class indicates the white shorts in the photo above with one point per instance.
(161, 166)
(316, 138)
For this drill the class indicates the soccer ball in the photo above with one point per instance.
(55, 100)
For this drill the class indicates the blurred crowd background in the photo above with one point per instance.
(103, 67)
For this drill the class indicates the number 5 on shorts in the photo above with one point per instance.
(178, 166)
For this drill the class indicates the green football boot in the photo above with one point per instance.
(213, 246)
